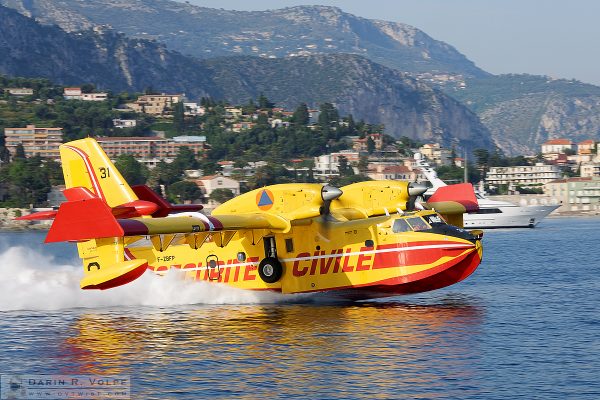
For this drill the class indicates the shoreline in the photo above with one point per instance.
(8, 226)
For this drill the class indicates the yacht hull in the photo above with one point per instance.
(508, 217)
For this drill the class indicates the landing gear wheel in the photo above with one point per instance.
(270, 270)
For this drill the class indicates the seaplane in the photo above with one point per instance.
(365, 240)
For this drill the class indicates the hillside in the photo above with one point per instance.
(523, 111)
(367, 90)
(304, 30)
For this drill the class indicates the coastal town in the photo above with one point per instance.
(562, 172)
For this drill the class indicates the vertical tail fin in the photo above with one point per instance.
(85, 164)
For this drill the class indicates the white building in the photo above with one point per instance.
(124, 123)
(209, 184)
(326, 166)
(588, 170)
(19, 91)
(193, 109)
(552, 148)
(523, 175)
(75, 93)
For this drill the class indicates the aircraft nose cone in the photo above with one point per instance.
(329, 193)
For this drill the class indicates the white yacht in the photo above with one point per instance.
(491, 213)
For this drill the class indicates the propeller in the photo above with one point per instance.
(328, 194)
(415, 190)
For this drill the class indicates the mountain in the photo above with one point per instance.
(304, 30)
(356, 85)
(524, 111)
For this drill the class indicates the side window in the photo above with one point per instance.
(418, 224)
(400, 225)
(289, 245)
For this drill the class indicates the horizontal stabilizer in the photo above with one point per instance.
(82, 220)
(106, 277)
(165, 208)
(41, 215)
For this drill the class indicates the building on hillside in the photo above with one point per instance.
(327, 165)
(552, 148)
(72, 93)
(586, 147)
(209, 184)
(193, 109)
(589, 170)
(576, 194)
(241, 126)
(35, 140)
(75, 93)
(381, 172)
(233, 113)
(436, 154)
(359, 144)
(19, 92)
(151, 150)
(124, 123)
(523, 175)
(94, 96)
(156, 104)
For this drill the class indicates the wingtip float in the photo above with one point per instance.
(365, 240)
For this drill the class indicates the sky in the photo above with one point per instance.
(558, 38)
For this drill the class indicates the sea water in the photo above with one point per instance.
(525, 325)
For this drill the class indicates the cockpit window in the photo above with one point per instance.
(400, 225)
(418, 224)
(412, 224)
(434, 219)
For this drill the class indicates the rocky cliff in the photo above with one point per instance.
(524, 111)
(356, 85)
(304, 30)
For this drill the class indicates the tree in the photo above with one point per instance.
(370, 145)
(221, 195)
(301, 116)
(328, 115)
(185, 159)
(344, 168)
(183, 191)
(163, 174)
(178, 117)
(19, 152)
(134, 172)
(264, 103)
(363, 164)
(88, 88)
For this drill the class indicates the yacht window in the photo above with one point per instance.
(400, 225)
(418, 224)
(488, 211)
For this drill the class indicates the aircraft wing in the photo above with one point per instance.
(200, 223)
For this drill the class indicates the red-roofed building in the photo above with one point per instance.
(394, 172)
(587, 147)
(150, 150)
(552, 148)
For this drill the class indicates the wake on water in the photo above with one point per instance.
(34, 280)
